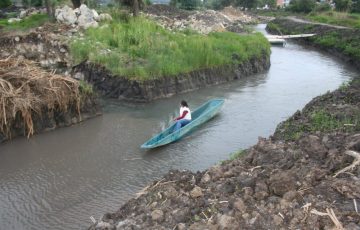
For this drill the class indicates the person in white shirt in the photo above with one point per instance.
(185, 116)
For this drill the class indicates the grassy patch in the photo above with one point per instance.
(237, 154)
(321, 120)
(85, 88)
(349, 44)
(27, 23)
(336, 18)
(140, 49)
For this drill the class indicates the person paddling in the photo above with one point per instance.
(185, 116)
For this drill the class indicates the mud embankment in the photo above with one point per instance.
(276, 184)
(143, 91)
(340, 42)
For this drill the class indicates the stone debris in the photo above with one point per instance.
(205, 21)
(82, 17)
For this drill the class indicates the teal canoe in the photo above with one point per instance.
(199, 116)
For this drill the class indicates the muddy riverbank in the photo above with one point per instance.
(118, 87)
(338, 41)
(34, 100)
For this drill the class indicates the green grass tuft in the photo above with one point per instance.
(237, 154)
(25, 24)
(337, 18)
(140, 49)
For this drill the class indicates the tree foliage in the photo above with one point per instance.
(355, 7)
(304, 6)
(186, 4)
(5, 3)
(342, 5)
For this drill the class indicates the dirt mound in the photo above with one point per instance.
(277, 185)
(26, 89)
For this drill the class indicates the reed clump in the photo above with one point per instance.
(26, 89)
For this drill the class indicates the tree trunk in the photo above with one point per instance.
(135, 8)
(48, 8)
(76, 3)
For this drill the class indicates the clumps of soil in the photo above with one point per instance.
(26, 89)
(276, 185)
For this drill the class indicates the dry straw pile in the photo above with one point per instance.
(26, 89)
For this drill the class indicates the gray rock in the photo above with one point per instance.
(105, 17)
(225, 221)
(157, 215)
(12, 20)
(181, 226)
(23, 14)
(277, 220)
(79, 76)
(206, 178)
(196, 192)
(239, 205)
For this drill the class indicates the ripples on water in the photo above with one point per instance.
(58, 179)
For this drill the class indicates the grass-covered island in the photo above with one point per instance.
(137, 52)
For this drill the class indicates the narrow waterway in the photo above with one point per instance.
(57, 180)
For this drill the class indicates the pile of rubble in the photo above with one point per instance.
(206, 21)
(82, 17)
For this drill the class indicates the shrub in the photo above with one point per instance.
(186, 4)
(322, 7)
(5, 3)
(342, 5)
(355, 7)
(302, 6)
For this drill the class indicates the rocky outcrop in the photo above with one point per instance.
(142, 91)
(82, 17)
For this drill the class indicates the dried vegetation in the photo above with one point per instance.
(26, 89)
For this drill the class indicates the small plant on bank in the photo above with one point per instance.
(85, 88)
(237, 154)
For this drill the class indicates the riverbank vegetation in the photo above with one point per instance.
(25, 24)
(139, 48)
(336, 18)
(337, 111)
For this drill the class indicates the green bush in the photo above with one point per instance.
(322, 7)
(27, 23)
(342, 5)
(303, 6)
(186, 4)
(355, 7)
(36, 3)
(5, 3)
